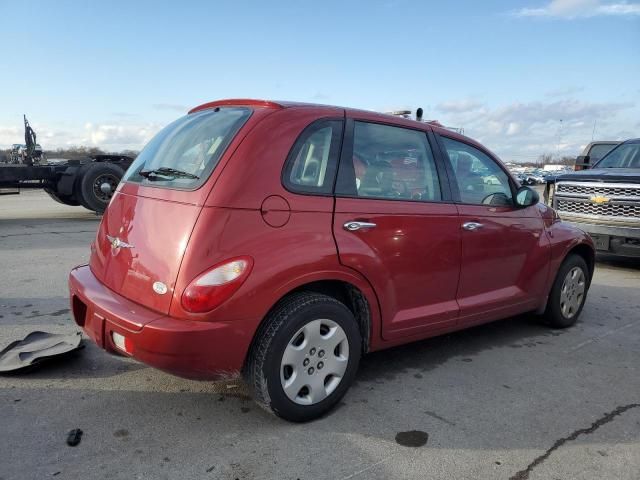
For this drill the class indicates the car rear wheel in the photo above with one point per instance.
(305, 357)
(568, 293)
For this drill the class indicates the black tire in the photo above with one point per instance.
(88, 190)
(263, 368)
(64, 199)
(553, 314)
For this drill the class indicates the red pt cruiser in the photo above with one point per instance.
(282, 241)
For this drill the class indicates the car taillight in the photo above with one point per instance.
(213, 287)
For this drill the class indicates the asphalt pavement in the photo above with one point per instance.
(508, 400)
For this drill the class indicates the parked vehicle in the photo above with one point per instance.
(592, 153)
(525, 179)
(282, 241)
(605, 201)
(90, 182)
(19, 154)
(537, 179)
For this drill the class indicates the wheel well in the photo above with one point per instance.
(347, 294)
(587, 254)
(351, 297)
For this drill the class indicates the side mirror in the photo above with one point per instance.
(525, 197)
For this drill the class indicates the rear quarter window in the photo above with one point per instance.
(184, 153)
(311, 165)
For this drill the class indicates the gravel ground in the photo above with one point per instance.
(507, 400)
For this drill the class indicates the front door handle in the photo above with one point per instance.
(472, 226)
(352, 225)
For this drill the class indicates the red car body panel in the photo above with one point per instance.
(186, 348)
(157, 232)
(420, 273)
(410, 238)
(504, 263)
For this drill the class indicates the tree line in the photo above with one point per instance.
(73, 153)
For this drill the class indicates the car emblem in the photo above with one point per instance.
(117, 243)
(599, 199)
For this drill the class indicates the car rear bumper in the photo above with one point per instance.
(191, 349)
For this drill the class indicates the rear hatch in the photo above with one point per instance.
(145, 231)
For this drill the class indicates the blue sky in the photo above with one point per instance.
(110, 74)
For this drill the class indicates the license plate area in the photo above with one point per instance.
(601, 241)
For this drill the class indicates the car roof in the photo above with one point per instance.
(606, 142)
(382, 117)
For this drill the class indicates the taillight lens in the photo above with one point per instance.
(215, 286)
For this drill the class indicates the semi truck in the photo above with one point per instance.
(90, 182)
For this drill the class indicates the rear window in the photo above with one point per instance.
(184, 153)
(600, 150)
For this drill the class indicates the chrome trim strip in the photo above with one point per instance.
(599, 184)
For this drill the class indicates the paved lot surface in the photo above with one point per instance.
(508, 400)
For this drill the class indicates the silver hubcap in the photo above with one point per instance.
(572, 292)
(314, 362)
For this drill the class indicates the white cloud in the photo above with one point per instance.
(107, 136)
(523, 131)
(171, 106)
(459, 106)
(513, 128)
(570, 9)
(115, 137)
(515, 131)
(10, 135)
(564, 91)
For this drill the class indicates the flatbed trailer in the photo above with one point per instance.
(90, 182)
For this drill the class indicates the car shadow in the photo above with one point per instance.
(426, 355)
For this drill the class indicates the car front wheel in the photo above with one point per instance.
(568, 293)
(305, 356)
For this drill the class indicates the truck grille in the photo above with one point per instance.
(590, 190)
(607, 210)
(618, 202)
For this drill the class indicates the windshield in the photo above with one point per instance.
(186, 151)
(626, 155)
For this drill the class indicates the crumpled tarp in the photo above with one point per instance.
(37, 347)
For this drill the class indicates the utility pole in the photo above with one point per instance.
(593, 133)
(559, 139)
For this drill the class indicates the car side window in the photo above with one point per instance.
(480, 179)
(391, 163)
(312, 163)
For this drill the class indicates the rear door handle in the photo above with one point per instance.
(472, 226)
(352, 226)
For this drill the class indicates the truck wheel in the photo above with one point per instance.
(568, 293)
(305, 357)
(64, 199)
(97, 185)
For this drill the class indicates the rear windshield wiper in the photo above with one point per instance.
(166, 172)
